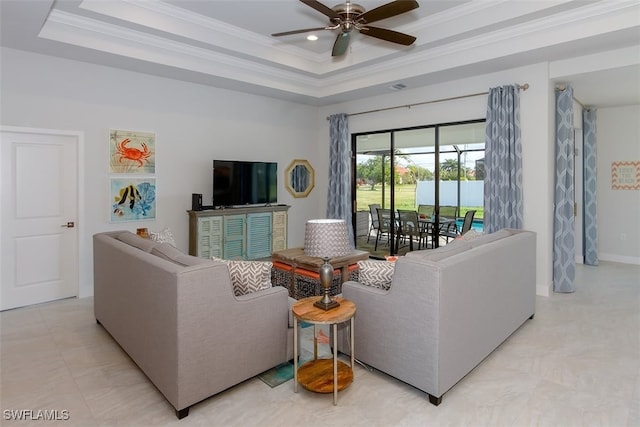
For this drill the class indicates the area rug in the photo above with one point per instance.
(278, 375)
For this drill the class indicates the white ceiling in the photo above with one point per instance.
(227, 43)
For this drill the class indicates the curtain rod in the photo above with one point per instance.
(562, 88)
(520, 87)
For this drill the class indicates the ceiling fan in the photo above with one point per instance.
(349, 16)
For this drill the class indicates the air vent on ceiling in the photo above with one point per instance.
(397, 86)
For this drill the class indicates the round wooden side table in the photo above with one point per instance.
(323, 375)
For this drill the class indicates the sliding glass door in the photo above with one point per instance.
(423, 169)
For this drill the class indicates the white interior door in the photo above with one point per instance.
(39, 243)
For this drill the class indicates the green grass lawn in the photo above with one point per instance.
(405, 197)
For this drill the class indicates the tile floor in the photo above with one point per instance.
(576, 364)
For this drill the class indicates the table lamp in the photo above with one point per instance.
(326, 238)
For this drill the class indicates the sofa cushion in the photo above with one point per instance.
(169, 252)
(188, 260)
(136, 241)
(488, 238)
(378, 274)
(248, 276)
(452, 248)
(470, 235)
(166, 251)
(163, 236)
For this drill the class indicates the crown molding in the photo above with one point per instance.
(288, 70)
(181, 22)
(89, 33)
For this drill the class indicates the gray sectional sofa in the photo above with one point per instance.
(177, 317)
(446, 310)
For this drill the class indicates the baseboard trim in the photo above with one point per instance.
(543, 290)
(619, 258)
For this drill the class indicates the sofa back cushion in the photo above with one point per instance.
(136, 241)
(488, 238)
(455, 247)
(171, 253)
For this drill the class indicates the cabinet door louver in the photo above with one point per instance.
(258, 235)
(234, 232)
(279, 231)
(209, 237)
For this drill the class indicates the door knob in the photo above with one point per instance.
(69, 224)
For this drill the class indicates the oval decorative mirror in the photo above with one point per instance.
(299, 178)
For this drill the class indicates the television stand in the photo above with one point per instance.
(250, 232)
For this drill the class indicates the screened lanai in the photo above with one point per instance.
(441, 166)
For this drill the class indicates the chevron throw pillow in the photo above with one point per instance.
(378, 274)
(248, 276)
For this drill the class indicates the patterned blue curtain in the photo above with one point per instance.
(564, 269)
(503, 160)
(590, 219)
(338, 195)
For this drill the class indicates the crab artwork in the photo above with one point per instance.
(125, 152)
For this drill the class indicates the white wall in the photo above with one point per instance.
(194, 124)
(618, 139)
(536, 115)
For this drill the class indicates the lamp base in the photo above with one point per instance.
(326, 306)
(326, 276)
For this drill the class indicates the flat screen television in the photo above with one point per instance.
(237, 183)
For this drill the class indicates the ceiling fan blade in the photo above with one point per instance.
(321, 8)
(341, 44)
(388, 10)
(388, 35)
(306, 30)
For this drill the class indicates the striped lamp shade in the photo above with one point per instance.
(326, 238)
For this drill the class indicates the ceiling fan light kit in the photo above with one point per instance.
(349, 16)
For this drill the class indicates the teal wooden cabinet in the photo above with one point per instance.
(234, 240)
(210, 237)
(238, 233)
(259, 233)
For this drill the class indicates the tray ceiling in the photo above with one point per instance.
(228, 43)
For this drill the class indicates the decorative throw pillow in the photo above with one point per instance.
(378, 274)
(164, 236)
(248, 276)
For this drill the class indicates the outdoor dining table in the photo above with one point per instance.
(427, 223)
(443, 223)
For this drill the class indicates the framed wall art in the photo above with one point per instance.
(132, 152)
(625, 175)
(132, 199)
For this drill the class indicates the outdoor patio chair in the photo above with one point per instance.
(411, 228)
(468, 221)
(384, 225)
(373, 211)
(466, 226)
(426, 210)
(449, 212)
